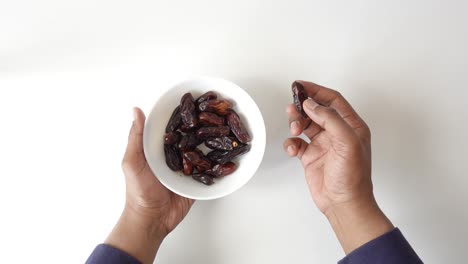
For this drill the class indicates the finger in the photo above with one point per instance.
(312, 130)
(329, 120)
(297, 123)
(295, 147)
(134, 152)
(331, 98)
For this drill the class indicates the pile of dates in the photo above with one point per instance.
(211, 121)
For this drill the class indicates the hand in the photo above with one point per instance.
(146, 196)
(337, 164)
(151, 210)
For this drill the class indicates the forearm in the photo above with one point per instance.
(357, 223)
(139, 237)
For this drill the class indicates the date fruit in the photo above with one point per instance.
(184, 128)
(200, 169)
(221, 107)
(211, 119)
(203, 178)
(221, 170)
(187, 111)
(173, 159)
(223, 157)
(198, 160)
(221, 143)
(174, 121)
(206, 97)
(189, 142)
(172, 138)
(187, 166)
(299, 96)
(237, 127)
(209, 132)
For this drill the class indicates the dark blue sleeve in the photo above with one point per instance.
(389, 248)
(105, 254)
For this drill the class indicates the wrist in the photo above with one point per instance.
(146, 223)
(138, 235)
(357, 222)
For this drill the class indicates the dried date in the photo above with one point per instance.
(209, 132)
(187, 166)
(237, 127)
(200, 169)
(207, 118)
(221, 107)
(174, 121)
(172, 138)
(189, 142)
(299, 96)
(221, 170)
(206, 97)
(184, 128)
(173, 159)
(203, 178)
(198, 160)
(187, 111)
(223, 157)
(210, 120)
(221, 143)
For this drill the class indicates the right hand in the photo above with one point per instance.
(337, 163)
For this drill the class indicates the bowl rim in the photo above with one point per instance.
(146, 135)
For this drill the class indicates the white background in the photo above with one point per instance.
(70, 72)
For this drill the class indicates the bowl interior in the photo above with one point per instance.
(247, 163)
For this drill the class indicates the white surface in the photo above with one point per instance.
(72, 70)
(247, 164)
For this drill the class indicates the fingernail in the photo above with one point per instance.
(295, 125)
(290, 150)
(310, 103)
(135, 114)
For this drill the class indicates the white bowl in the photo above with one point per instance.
(156, 123)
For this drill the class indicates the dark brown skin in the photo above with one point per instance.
(187, 111)
(221, 170)
(237, 127)
(299, 96)
(210, 119)
(223, 157)
(185, 129)
(172, 138)
(174, 121)
(189, 142)
(221, 143)
(173, 159)
(198, 160)
(206, 97)
(211, 132)
(203, 178)
(187, 166)
(220, 107)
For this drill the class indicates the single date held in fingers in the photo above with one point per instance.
(299, 96)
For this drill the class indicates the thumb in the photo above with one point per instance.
(329, 120)
(134, 155)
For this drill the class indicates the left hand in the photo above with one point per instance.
(151, 210)
(146, 196)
